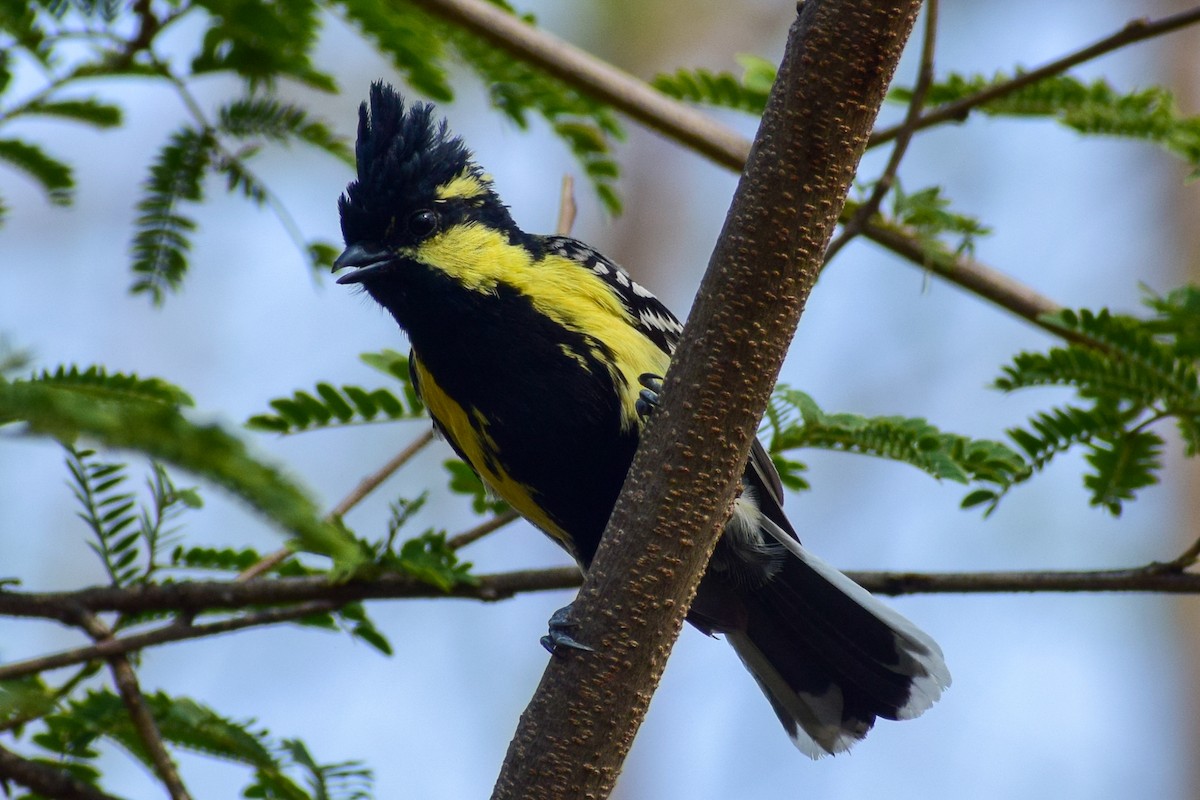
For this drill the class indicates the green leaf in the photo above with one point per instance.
(428, 559)
(269, 118)
(54, 176)
(1094, 108)
(333, 407)
(262, 42)
(412, 39)
(161, 241)
(1122, 466)
(160, 431)
(217, 559)
(463, 480)
(24, 699)
(87, 110)
(926, 213)
(517, 89)
(722, 89)
(794, 420)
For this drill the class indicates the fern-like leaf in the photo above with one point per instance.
(55, 177)
(347, 780)
(107, 512)
(262, 42)
(1123, 465)
(102, 385)
(330, 406)
(161, 243)
(794, 420)
(160, 431)
(927, 214)
(87, 110)
(722, 89)
(268, 118)
(1094, 108)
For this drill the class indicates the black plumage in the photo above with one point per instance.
(538, 403)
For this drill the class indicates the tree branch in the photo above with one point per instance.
(854, 225)
(573, 737)
(1135, 31)
(692, 129)
(44, 780)
(595, 77)
(194, 597)
(139, 713)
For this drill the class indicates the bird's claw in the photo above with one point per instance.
(558, 638)
(649, 397)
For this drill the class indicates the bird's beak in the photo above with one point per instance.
(367, 263)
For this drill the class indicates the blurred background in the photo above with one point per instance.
(1054, 696)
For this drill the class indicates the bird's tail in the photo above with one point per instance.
(829, 656)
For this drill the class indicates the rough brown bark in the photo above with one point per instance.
(576, 732)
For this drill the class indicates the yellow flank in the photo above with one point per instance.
(472, 439)
(464, 186)
(479, 258)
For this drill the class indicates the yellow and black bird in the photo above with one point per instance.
(532, 354)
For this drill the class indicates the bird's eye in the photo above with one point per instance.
(422, 223)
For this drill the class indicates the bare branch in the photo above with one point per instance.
(1157, 578)
(483, 529)
(372, 482)
(597, 78)
(1134, 31)
(193, 597)
(566, 207)
(139, 713)
(1168, 577)
(364, 488)
(174, 632)
(968, 273)
(573, 738)
(46, 781)
(853, 226)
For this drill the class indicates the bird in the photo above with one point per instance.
(539, 361)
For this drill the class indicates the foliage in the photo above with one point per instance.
(122, 411)
(72, 734)
(1095, 108)
(926, 214)
(1133, 374)
(350, 405)
(1131, 378)
(722, 89)
(794, 420)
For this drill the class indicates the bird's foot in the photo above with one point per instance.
(649, 397)
(560, 622)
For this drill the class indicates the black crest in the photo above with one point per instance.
(403, 155)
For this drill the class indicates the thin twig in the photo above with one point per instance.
(372, 482)
(174, 632)
(566, 207)
(139, 712)
(972, 275)
(44, 780)
(482, 529)
(364, 488)
(854, 226)
(1134, 31)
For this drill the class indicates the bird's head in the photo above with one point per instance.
(415, 182)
